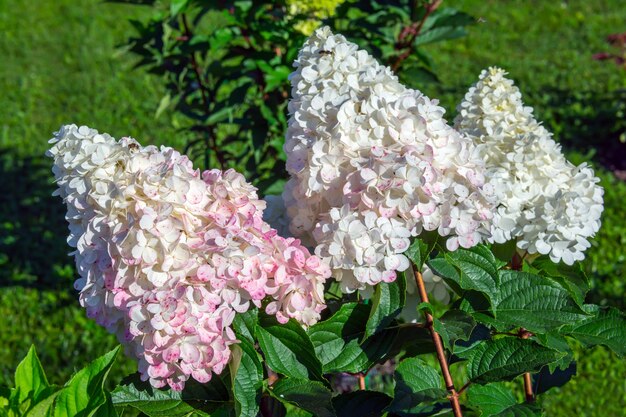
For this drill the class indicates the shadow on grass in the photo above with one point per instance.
(33, 247)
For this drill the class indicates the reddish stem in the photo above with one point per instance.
(410, 32)
(453, 396)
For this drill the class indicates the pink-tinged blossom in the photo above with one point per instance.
(547, 204)
(167, 255)
(373, 163)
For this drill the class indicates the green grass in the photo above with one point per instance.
(60, 65)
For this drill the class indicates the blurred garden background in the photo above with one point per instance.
(63, 62)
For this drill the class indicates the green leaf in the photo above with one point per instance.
(572, 278)
(496, 400)
(388, 300)
(469, 269)
(84, 393)
(416, 383)
(220, 115)
(506, 358)
(308, 395)
(418, 253)
(606, 326)
(43, 407)
(195, 398)
(440, 34)
(107, 409)
(361, 403)
(521, 410)
(247, 373)
(178, 6)
(536, 303)
(165, 102)
(30, 378)
(245, 323)
(336, 339)
(491, 398)
(288, 349)
(454, 325)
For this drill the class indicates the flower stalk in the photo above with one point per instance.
(453, 396)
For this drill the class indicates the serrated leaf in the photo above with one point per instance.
(245, 323)
(308, 395)
(247, 374)
(606, 326)
(416, 383)
(84, 393)
(195, 398)
(337, 340)
(533, 302)
(491, 398)
(556, 341)
(505, 358)
(288, 349)
(30, 378)
(572, 278)
(454, 325)
(551, 378)
(469, 269)
(387, 303)
(361, 403)
(496, 400)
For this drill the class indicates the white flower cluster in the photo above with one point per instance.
(545, 202)
(167, 256)
(374, 163)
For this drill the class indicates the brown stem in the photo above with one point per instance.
(204, 91)
(464, 387)
(453, 396)
(409, 33)
(361, 381)
(528, 382)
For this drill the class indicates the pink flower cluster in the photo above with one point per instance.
(168, 256)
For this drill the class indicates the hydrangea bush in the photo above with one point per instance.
(228, 315)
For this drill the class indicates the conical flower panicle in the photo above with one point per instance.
(373, 163)
(546, 203)
(167, 256)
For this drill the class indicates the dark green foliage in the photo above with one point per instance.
(81, 396)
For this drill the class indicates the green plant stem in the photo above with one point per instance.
(453, 396)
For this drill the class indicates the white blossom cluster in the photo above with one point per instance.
(546, 203)
(168, 256)
(373, 163)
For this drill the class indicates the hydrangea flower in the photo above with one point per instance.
(167, 256)
(373, 163)
(546, 203)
